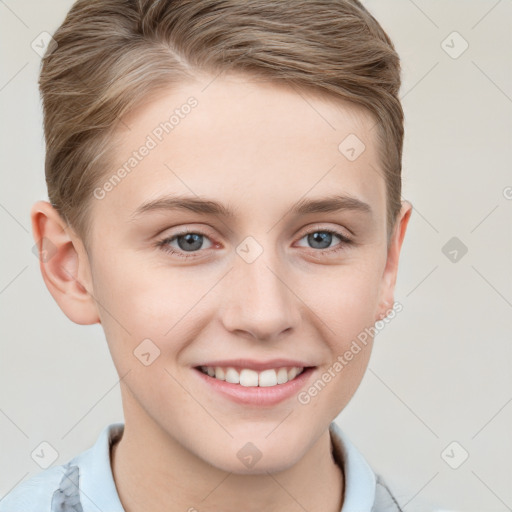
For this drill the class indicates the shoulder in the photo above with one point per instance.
(384, 499)
(39, 493)
(83, 484)
(365, 490)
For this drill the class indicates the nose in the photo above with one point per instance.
(258, 300)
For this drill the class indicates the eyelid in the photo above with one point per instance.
(175, 232)
(322, 228)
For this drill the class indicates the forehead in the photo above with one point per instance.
(256, 145)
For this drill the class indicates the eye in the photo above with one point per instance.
(186, 242)
(321, 239)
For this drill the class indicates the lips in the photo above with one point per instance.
(255, 383)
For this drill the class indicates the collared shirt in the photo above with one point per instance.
(86, 483)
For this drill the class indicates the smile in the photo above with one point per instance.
(254, 383)
(251, 378)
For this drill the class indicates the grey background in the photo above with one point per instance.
(441, 371)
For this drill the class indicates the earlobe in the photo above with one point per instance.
(64, 264)
(391, 269)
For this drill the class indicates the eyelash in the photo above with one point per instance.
(164, 244)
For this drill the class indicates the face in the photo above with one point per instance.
(245, 243)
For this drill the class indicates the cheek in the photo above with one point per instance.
(346, 301)
(144, 296)
(344, 297)
(139, 301)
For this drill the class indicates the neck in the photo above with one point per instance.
(160, 474)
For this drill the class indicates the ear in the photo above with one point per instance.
(64, 264)
(387, 291)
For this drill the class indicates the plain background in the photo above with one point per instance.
(441, 371)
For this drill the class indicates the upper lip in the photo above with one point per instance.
(256, 365)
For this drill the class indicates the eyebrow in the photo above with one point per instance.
(329, 204)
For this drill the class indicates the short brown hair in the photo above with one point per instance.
(110, 54)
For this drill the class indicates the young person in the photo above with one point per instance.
(225, 199)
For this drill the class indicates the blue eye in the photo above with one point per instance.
(188, 241)
(321, 239)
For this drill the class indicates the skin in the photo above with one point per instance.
(257, 148)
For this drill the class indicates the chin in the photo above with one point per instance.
(256, 455)
(276, 463)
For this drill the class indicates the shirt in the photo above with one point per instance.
(86, 483)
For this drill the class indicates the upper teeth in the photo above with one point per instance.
(252, 378)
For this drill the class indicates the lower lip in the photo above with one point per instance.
(259, 396)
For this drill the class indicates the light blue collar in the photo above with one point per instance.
(360, 479)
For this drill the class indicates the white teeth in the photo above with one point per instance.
(282, 376)
(232, 376)
(267, 378)
(220, 373)
(251, 378)
(248, 378)
(292, 373)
